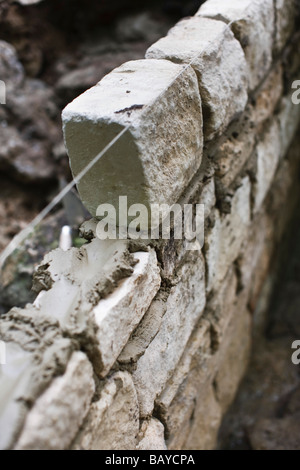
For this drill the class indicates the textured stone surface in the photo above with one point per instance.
(267, 96)
(184, 306)
(254, 260)
(231, 154)
(57, 415)
(233, 355)
(176, 403)
(98, 293)
(224, 240)
(202, 434)
(14, 378)
(144, 333)
(35, 354)
(139, 94)
(152, 436)
(253, 24)
(219, 62)
(268, 153)
(118, 315)
(285, 15)
(113, 420)
(289, 120)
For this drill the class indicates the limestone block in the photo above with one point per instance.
(202, 434)
(224, 240)
(185, 305)
(267, 96)
(220, 65)
(57, 415)
(194, 370)
(98, 293)
(233, 355)
(117, 315)
(289, 120)
(35, 354)
(160, 152)
(268, 154)
(144, 333)
(235, 149)
(255, 257)
(221, 307)
(14, 378)
(253, 24)
(151, 436)
(285, 15)
(113, 421)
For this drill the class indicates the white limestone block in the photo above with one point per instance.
(185, 306)
(113, 420)
(219, 62)
(57, 414)
(253, 23)
(160, 152)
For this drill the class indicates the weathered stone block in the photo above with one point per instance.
(202, 434)
(253, 23)
(194, 370)
(57, 414)
(144, 333)
(161, 150)
(268, 153)
(233, 355)
(289, 120)
(35, 354)
(234, 150)
(220, 64)
(267, 96)
(224, 240)
(113, 421)
(99, 294)
(285, 16)
(185, 305)
(151, 436)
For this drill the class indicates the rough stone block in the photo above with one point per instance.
(253, 23)
(202, 434)
(117, 315)
(268, 154)
(176, 402)
(224, 240)
(98, 293)
(144, 333)
(267, 96)
(57, 414)
(235, 148)
(254, 260)
(160, 152)
(220, 65)
(185, 305)
(233, 355)
(289, 120)
(113, 421)
(285, 16)
(35, 354)
(151, 436)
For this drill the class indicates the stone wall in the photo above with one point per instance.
(143, 345)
